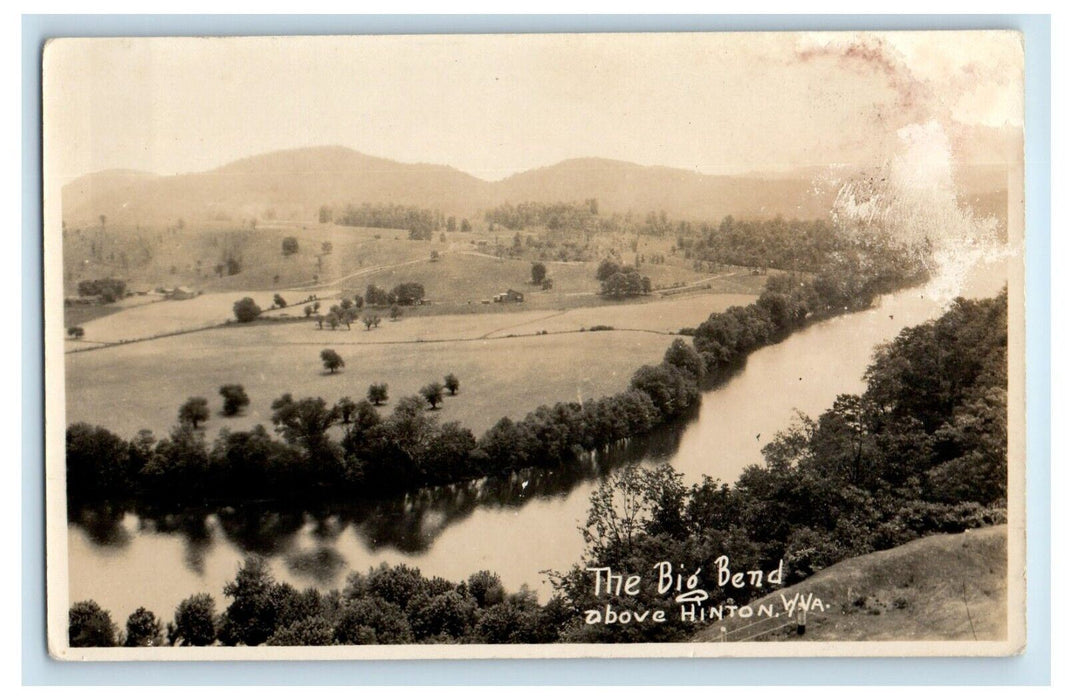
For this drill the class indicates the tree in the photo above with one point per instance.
(304, 422)
(327, 247)
(625, 282)
(395, 312)
(143, 629)
(108, 289)
(486, 588)
(279, 301)
(246, 310)
(234, 399)
(433, 393)
(76, 332)
(98, 463)
(671, 390)
(466, 226)
(451, 383)
(373, 621)
(377, 394)
(539, 272)
(314, 631)
(446, 616)
(331, 360)
(375, 296)
(408, 293)
(371, 321)
(289, 245)
(345, 408)
(252, 616)
(193, 412)
(325, 214)
(447, 454)
(683, 356)
(606, 269)
(90, 626)
(450, 224)
(308, 310)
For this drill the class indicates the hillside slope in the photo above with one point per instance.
(624, 187)
(942, 587)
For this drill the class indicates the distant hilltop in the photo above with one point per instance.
(293, 184)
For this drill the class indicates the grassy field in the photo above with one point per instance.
(80, 315)
(170, 257)
(140, 385)
(468, 270)
(141, 317)
(942, 587)
(140, 381)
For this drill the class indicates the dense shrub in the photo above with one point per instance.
(108, 289)
(246, 310)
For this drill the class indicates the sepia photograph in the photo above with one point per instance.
(535, 345)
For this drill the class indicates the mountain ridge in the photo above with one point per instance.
(294, 183)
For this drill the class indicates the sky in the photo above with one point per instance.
(495, 105)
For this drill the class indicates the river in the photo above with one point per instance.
(517, 527)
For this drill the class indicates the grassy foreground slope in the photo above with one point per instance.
(941, 587)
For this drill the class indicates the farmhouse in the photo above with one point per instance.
(509, 296)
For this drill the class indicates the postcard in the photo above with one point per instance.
(597, 345)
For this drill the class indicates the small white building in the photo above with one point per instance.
(182, 293)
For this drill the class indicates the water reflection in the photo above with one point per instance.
(408, 523)
(322, 565)
(103, 525)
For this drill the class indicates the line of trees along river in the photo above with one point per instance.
(921, 450)
(408, 449)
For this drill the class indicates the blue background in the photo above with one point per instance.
(1033, 667)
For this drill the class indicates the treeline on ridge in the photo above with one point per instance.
(419, 223)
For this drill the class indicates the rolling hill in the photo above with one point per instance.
(940, 587)
(284, 184)
(623, 187)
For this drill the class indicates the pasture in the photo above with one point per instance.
(141, 385)
(347, 259)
